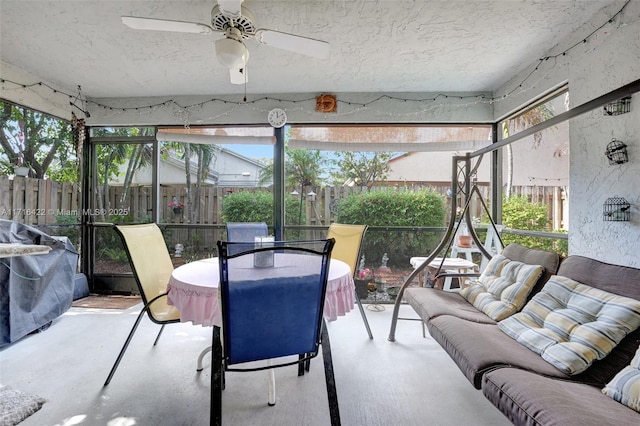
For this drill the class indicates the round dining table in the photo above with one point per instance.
(193, 290)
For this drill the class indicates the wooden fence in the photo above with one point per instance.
(36, 201)
(43, 202)
(554, 197)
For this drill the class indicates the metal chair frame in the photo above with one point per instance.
(336, 230)
(155, 235)
(221, 358)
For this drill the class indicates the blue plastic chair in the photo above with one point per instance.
(272, 312)
(245, 232)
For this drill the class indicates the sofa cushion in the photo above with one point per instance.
(571, 325)
(549, 260)
(616, 279)
(625, 386)
(432, 302)
(503, 287)
(477, 348)
(527, 398)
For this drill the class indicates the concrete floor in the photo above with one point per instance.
(409, 382)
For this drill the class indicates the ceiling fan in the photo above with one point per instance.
(233, 24)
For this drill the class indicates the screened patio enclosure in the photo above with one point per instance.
(592, 49)
(186, 198)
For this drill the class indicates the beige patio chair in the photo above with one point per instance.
(151, 265)
(347, 249)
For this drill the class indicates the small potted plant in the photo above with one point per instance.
(362, 280)
(176, 206)
(20, 169)
(464, 241)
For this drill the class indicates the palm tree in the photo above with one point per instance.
(302, 168)
(112, 156)
(141, 156)
(204, 154)
(523, 121)
(109, 158)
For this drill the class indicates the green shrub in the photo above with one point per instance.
(258, 207)
(393, 208)
(519, 213)
(113, 253)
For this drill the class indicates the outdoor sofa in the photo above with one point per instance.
(525, 362)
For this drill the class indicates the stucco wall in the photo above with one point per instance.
(300, 109)
(608, 60)
(593, 180)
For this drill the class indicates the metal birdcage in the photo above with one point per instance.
(621, 106)
(616, 152)
(616, 209)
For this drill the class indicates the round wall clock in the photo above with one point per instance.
(277, 117)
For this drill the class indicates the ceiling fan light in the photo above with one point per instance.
(232, 53)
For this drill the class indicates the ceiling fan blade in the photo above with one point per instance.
(294, 43)
(231, 8)
(166, 25)
(238, 75)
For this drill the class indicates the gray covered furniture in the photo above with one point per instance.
(518, 381)
(34, 290)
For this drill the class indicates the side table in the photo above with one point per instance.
(439, 264)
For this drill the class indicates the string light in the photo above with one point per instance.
(534, 179)
(564, 52)
(183, 112)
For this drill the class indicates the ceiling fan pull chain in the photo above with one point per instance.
(244, 72)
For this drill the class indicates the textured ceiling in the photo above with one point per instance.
(376, 46)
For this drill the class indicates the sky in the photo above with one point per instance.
(252, 151)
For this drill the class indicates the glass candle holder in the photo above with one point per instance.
(263, 259)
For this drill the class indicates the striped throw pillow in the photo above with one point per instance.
(571, 325)
(503, 287)
(625, 386)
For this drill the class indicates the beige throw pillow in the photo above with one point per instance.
(571, 324)
(503, 287)
(625, 386)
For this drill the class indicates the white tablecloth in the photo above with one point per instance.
(193, 289)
